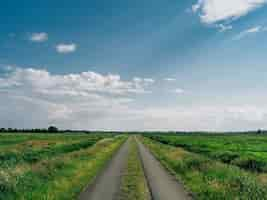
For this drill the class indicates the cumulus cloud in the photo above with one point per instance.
(214, 11)
(250, 31)
(83, 84)
(66, 48)
(36, 98)
(38, 37)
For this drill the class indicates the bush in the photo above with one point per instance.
(250, 164)
(225, 156)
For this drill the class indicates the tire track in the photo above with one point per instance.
(163, 186)
(107, 184)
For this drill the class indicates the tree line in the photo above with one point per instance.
(51, 129)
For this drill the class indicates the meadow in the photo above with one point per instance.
(248, 152)
(215, 166)
(61, 166)
(52, 166)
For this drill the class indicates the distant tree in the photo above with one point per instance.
(259, 131)
(52, 129)
(2, 130)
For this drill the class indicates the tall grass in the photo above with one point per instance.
(61, 176)
(248, 152)
(32, 151)
(207, 179)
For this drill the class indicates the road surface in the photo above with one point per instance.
(107, 184)
(163, 186)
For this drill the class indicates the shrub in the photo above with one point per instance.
(251, 164)
(225, 156)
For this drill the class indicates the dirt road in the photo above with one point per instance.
(106, 186)
(163, 186)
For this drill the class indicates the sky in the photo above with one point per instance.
(134, 65)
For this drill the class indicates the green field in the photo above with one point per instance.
(245, 151)
(215, 166)
(61, 166)
(52, 166)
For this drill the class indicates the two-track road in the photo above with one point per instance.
(107, 184)
(162, 185)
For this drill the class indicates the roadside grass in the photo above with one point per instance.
(17, 141)
(133, 184)
(207, 179)
(248, 151)
(32, 151)
(62, 176)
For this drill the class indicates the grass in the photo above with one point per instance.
(60, 171)
(207, 178)
(248, 152)
(31, 149)
(133, 183)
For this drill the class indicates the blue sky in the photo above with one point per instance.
(134, 65)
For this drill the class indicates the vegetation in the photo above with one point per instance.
(248, 152)
(59, 166)
(51, 166)
(207, 178)
(133, 183)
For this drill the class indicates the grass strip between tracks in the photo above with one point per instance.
(133, 184)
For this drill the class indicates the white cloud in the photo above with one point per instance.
(149, 80)
(196, 7)
(32, 98)
(178, 91)
(141, 82)
(84, 100)
(214, 11)
(254, 29)
(249, 31)
(169, 79)
(203, 117)
(223, 27)
(38, 37)
(66, 48)
(82, 84)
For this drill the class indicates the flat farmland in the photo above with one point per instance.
(52, 166)
(215, 166)
(133, 167)
(245, 151)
